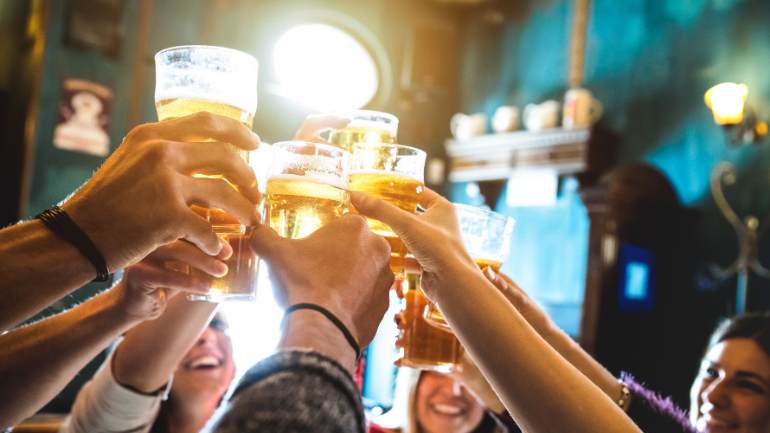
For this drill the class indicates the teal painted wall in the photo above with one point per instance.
(649, 62)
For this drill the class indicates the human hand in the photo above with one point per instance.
(146, 287)
(140, 198)
(534, 315)
(342, 266)
(433, 237)
(315, 124)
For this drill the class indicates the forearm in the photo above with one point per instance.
(521, 366)
(151, 351)
(592, 369)
(40, 359)
(37, 268)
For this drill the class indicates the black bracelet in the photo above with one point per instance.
(62, 225)
(332, 318)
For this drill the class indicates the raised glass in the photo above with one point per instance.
(306, 187)
(194, 78)
(366, 126)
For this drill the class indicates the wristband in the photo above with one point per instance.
(62, 225)
(332, 318)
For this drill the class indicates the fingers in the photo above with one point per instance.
(216, 193)
(265, 241)
(188, 253)
(220, 159)
(150, 277)
(207, 126)
(398, 219)
(313, 125)
(199, 232)
(430, 198)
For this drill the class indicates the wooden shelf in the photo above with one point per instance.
(496, 156)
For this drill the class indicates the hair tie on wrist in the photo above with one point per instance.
(62, 225)
(332, 318)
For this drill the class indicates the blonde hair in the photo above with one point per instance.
(403, 415)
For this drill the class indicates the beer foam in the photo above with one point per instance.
(316, 177)
(386, 173)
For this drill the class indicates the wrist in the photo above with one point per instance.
(309, 329)
(98, 233)
(114, 304)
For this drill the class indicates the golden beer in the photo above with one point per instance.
(347, 137)
(180, 107)
(423, 345)
(296, 206)
(242, 265)
(399, 190)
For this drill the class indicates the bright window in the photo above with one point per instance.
(324, 68)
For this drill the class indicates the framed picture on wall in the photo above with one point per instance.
(95, 24)
(83, 118)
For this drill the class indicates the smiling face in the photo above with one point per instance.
(205, 373)
(732, 390)
(445, 406)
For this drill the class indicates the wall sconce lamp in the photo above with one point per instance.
(727, 102)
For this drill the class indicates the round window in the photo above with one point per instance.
(324, 68)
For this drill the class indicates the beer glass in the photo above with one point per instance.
(487, 237)
(306, 187)
(223, 81)
(423, 345)
(366, 126)
(394, 173)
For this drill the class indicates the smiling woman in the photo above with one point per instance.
(732, 390)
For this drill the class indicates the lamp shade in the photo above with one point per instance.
(726, 102)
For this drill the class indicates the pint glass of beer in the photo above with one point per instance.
(366, 126)
(223, 81)
(422, 344)
(394, 173)
(487, 237)
(306, 188)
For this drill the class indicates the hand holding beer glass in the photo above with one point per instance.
(306, 188)
(487, 238)
(222, 81)
(394, 173)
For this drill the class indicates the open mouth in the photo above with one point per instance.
(715, 423)
(447, 409)
(206, 362)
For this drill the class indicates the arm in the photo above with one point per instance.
(40, 359)
(151, 351)
(558, 339)
(525, 371)
(37, 268)
(137, 201)
(308, 385)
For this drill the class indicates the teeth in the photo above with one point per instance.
(446, 409)
(205, 361)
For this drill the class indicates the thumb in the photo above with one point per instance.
(264, 240)
(398, 219)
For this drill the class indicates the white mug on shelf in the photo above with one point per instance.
(581, 109)
(505, 119)
(465, 126)
(541, 116)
